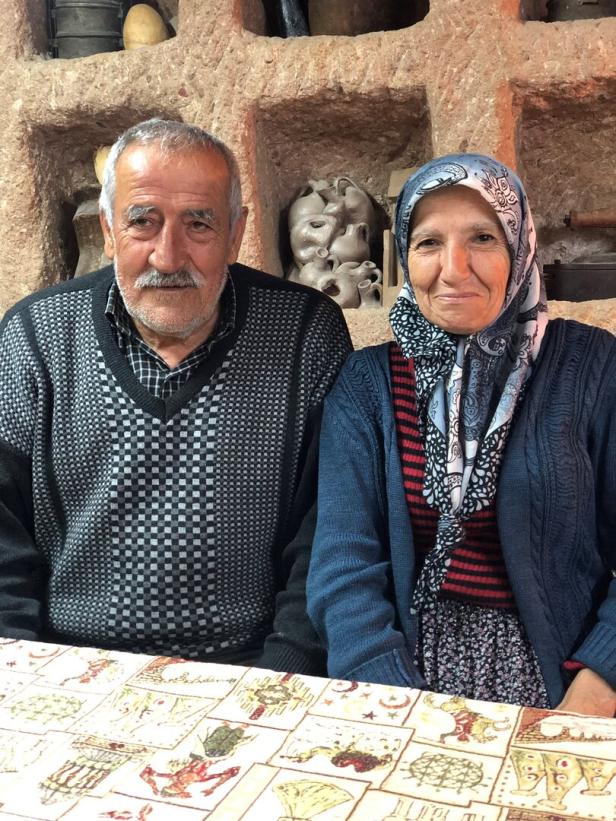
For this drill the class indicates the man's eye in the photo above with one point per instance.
(199, 226)
(141, 222)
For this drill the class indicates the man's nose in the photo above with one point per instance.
(168, 254)
(455, 262)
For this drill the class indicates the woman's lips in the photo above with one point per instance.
(458, 297)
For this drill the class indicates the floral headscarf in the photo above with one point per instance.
(468, 387)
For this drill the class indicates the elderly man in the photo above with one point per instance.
(158, 427)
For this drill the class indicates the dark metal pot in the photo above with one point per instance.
(84, 27)
(580, 9)
(351, 17)
(592, 277)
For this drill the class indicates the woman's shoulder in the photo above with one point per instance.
(370, 355)
(575, 358)
(568, 337)
(575, 328)
(364, 375)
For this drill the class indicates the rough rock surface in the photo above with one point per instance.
(475, 75)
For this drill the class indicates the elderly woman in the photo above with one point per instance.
(466, 534)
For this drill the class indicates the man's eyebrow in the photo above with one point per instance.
(136, 212)
(201, 214)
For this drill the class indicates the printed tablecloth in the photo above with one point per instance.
(95, 734)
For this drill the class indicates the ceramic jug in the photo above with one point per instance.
(358, 271)
(311, 233)
(352, 245)
(369, 294)
(342, 290)
(350, 17)
(357, 203)
(308, 202)
(143, 26)
(312, 272)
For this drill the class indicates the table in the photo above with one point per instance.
(95, 734)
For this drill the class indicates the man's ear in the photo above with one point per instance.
(107, 234)
(237, 233)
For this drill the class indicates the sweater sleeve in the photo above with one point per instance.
(293, 645)
(350, 597)
(598, 650)
(21, 567)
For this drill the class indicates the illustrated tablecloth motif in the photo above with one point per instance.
(96, 734)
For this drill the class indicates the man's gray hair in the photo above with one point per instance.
(172, 136)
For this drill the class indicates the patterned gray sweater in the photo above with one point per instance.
(163, 526)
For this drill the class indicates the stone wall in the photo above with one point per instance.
(480, 75)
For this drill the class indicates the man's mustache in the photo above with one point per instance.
(181, 278)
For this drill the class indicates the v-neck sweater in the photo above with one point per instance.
(162, 525)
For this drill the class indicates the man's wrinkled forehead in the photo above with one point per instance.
(196, 182)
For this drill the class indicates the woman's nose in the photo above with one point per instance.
(168, 254)
(455, 265)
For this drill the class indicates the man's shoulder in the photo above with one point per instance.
(56, 292)
(244, 276)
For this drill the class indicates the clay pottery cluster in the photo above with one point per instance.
(143, 26)
(330, 229)
(350, 284)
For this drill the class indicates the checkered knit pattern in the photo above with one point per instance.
(150, 368)
(161, 522)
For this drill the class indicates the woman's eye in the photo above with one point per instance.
(485, 237)
(425, 243)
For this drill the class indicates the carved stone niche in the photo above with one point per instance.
(569, 169)
(70, 241)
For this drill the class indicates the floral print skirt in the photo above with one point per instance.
(478, 652)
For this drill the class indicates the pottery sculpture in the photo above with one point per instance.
(308, 202)
(143, 26)
(331, 225)
(100, 158)
(87, 227)
(311, 233)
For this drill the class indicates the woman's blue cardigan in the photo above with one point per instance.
(556, 514)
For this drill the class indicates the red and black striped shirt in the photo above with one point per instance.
(477, 572)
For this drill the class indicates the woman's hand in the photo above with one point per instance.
(590, 695)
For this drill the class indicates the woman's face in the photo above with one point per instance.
(458, 260)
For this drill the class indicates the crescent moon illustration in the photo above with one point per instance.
(353, 685)
(45, 654)
(389, 706)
